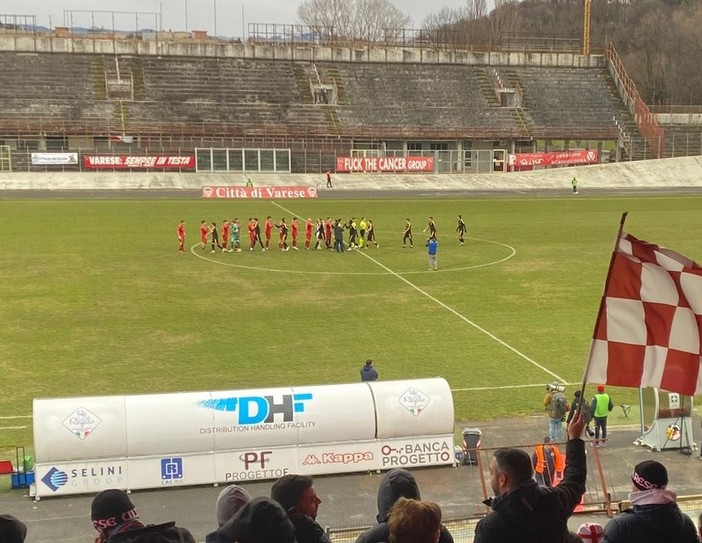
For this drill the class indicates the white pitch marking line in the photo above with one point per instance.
(450, 309)
(12, 427)
(16, 417)
(505, 387)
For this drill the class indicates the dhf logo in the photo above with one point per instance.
(171, 469)
(258, 409)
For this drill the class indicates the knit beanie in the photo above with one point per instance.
(229, 501)
(111, 508)
(591, 532)
(600, 388)
(650, 474)
(12, 530)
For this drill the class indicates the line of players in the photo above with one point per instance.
(359, 236)
(461, 230)
(327, 234)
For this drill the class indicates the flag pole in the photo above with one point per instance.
(600, 311)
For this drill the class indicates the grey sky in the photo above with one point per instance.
(200, 12)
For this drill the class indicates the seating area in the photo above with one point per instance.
(682, 139)
(568, 102)
(419, 99)
(62, 94)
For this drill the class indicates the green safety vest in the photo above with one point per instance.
(602, 407)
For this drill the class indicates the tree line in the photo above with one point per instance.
(658, 40)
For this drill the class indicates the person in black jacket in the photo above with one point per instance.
(116, 520)
(586, 409)
(524, 511)
(298, 498)
(397, 483)
(262, 520)
(655, 515)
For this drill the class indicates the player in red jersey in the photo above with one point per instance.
(204, 230)
(225, 234)
(309, 225)
(269, 230)
(295, 228)
(328, 225)
(181, 236)
(252, 233)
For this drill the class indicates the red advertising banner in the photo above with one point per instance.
(124, 162)
(263, 193)
(385, 164)
(554, 158)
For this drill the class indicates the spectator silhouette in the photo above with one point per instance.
(396, 484)
(368, 372)
(229, 502)
(116, 519)
(414, 521)
(261, 520)
(655, 515)
(298, 498)
(524, 511)
(12, 530)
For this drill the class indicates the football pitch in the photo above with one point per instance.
(96, 300)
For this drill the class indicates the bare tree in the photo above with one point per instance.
(475, 9)
(504, 20)
(356, 19)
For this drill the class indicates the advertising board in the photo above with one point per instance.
(161, 440)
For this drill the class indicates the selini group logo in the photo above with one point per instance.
(55, 479)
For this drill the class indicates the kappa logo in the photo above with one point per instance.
(55, 479)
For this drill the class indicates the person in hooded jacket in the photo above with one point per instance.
(261, 520)
(524, 511)
(368, 372)
(655, 515)
(396, 484)
(228, 504)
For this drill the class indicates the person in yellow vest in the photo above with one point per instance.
(362, 226)
(548, 462)
(601, 406)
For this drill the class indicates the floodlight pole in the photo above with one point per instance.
(186, 15)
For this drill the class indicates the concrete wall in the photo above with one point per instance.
(694, 119)
(40, 43)
(664, 173)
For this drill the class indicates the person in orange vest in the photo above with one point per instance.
(548, 462)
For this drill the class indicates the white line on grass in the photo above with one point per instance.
(504, 387)
(12, 427)
(16, 417)
(450, 309)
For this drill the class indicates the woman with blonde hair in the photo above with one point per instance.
(414, 521)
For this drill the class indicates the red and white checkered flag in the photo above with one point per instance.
(648, 331)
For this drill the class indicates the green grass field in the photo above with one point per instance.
(97, 301)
